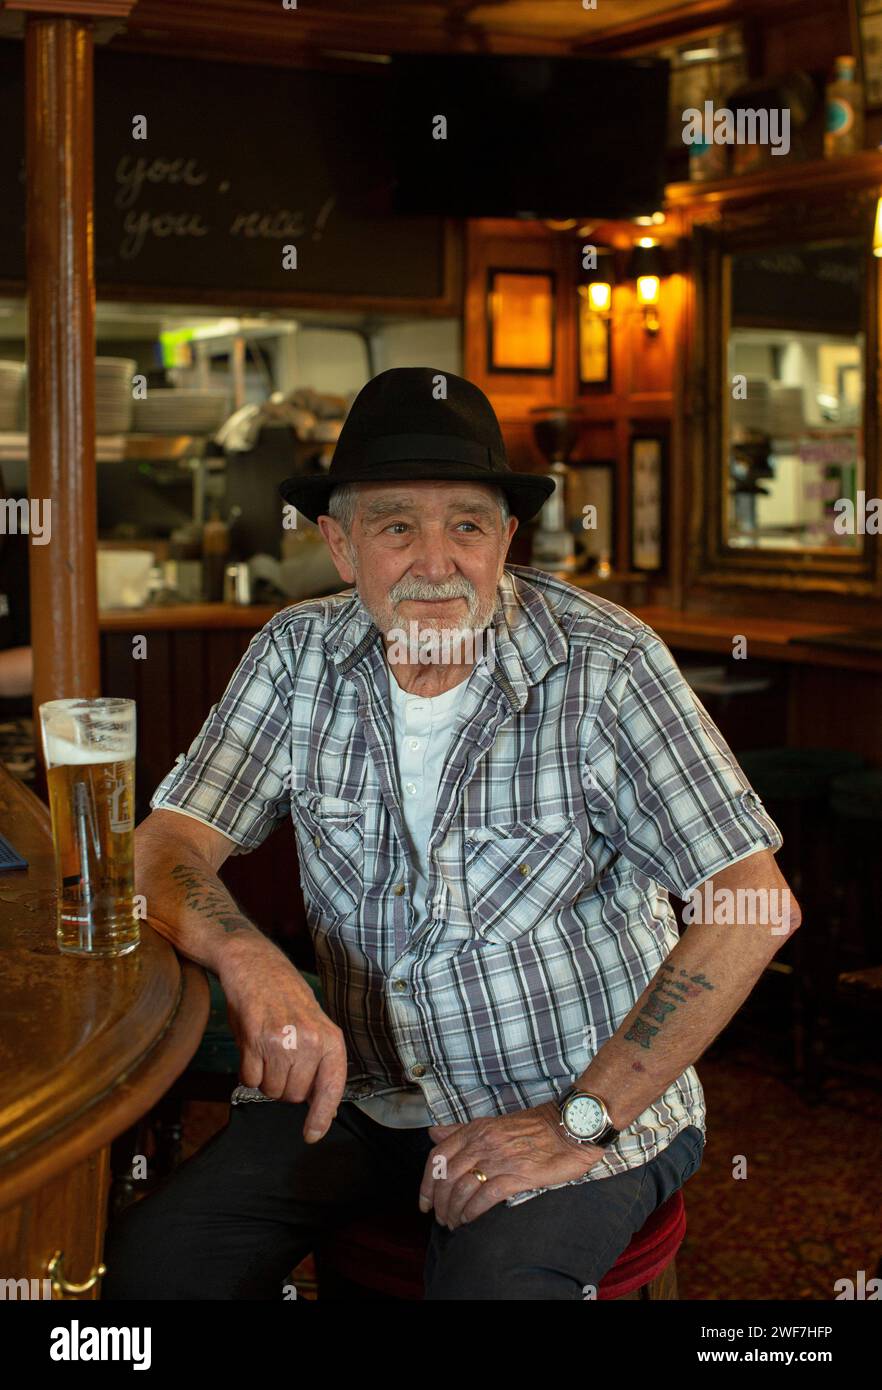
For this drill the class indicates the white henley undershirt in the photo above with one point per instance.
(422, 729)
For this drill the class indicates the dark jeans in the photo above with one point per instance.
(234, 1220)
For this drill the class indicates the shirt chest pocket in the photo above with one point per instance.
(330, 847)
(519, 875)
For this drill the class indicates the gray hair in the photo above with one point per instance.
(342, 502)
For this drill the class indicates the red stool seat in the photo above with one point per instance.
(650, 1252)
(382, 1255)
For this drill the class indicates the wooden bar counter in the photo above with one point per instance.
(775, 639)
(88, 1047)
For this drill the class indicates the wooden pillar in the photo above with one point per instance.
(61, 354)
(58, 37)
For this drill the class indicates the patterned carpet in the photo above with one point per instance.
(809, 1210)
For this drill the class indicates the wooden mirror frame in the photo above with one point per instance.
(808, 215)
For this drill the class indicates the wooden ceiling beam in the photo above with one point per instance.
(249, 31)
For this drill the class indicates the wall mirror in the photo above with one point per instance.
(788, 396)
(796, 376)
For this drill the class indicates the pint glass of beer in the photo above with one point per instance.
(89, 747)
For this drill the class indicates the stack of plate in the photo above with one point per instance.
(170, 411)
(113, 394)
(12, 376)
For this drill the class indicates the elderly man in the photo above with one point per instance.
(496, 781)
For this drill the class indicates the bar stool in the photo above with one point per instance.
(381, 1256)
(737, 703)
(856, 804)
(794, 784)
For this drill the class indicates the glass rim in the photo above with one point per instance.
(105, 703)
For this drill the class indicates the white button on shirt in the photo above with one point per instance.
(422, 729)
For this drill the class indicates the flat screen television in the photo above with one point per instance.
(529, 136)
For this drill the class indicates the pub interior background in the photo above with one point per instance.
(702, 378)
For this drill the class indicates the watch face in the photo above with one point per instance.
(583, 1116)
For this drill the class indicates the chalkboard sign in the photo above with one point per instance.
(238, 164)
(805, 286)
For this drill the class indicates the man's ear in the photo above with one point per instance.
(510, 530)
(339, 546)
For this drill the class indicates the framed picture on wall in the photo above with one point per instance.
(594, 344)
(520, 321)
(592, 489)
(648, 465)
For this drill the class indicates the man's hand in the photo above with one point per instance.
(288, 1046)
(515, 1152)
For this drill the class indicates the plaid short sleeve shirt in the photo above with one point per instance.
(584, 783)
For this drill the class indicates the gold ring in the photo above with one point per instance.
(482, 1177)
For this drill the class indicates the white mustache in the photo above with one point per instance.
(423, 589)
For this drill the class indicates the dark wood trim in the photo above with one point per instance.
(78, 9)
(812, 215)
(196, 617)
(694, 16)
(254, 30)
(816, 179)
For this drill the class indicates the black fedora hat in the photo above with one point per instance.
(413, 424)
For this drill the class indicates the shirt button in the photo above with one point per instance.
(399, 985)
(418, 1070)
(523, 870)
(317, 841)
(410, 788)
(399, 889)
(414, 744)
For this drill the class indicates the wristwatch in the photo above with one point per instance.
(584, 1117)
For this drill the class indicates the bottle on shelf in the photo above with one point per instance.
(215, 550)
(708, 161)
(844, 111)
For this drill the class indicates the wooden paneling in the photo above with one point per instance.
(500, 244)
(646, 365)
(647, 384)
(830, 707)
(65, 1215)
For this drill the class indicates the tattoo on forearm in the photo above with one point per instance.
(664, 1000)
(202, 896)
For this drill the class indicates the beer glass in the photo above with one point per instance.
(89, 746)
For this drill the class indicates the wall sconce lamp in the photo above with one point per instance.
(597, 284)
(647, 266)
(877, 230)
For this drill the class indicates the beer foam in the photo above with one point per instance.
(61, 752)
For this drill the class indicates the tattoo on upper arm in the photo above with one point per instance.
(671, 990)
(202, 896)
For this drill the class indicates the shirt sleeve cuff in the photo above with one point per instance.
(744, 833)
